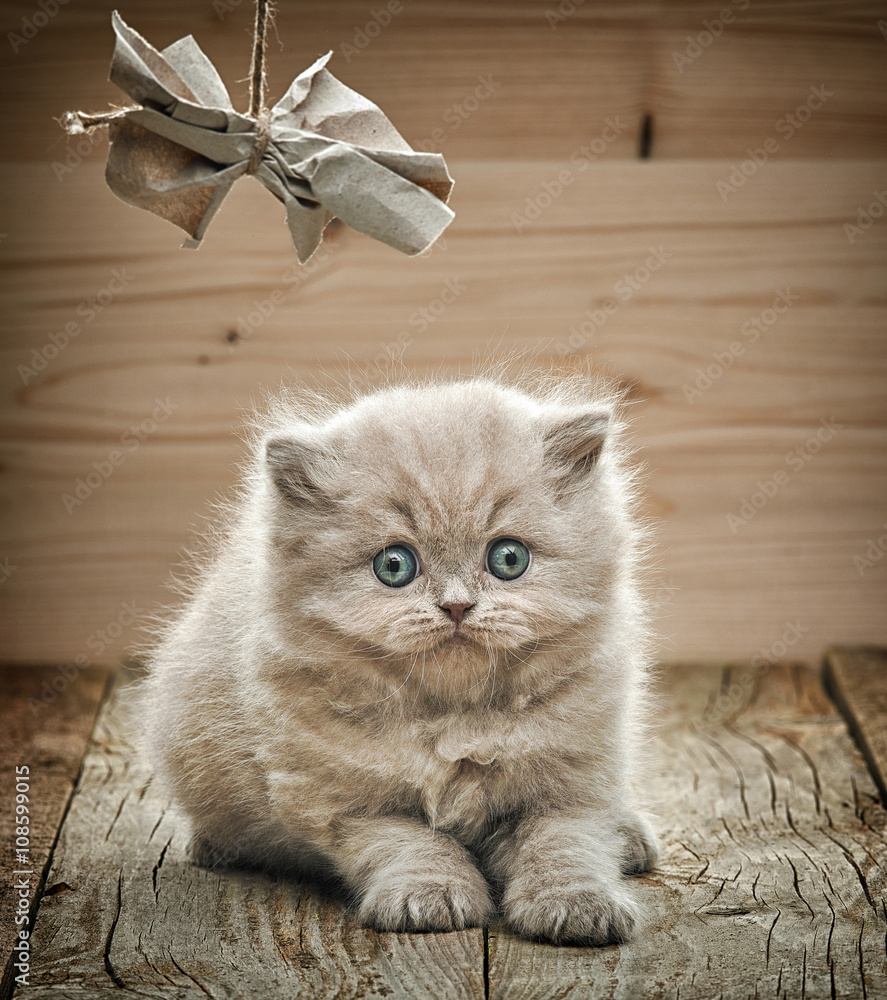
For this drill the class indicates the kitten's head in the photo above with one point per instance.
(444, 529)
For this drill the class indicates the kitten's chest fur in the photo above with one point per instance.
(469, 774)
(460, 771)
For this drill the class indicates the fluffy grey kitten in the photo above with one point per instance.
(417, 659)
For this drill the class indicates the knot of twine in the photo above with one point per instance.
(263, 140)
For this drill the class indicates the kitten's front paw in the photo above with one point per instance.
(423, 903)
(582, 914)
(641, 852)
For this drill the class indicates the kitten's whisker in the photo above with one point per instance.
(399, 687)
(493, 666)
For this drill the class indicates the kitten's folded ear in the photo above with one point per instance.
(573, 442)
(295, 465)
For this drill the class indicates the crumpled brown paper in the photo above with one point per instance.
(323, 150)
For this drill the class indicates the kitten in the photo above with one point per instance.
(418, 659)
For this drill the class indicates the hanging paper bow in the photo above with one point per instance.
(323, 149)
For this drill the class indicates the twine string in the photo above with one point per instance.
(78, 122)
(257, 84)
(257, 73)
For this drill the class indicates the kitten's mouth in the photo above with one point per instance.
(457, 637)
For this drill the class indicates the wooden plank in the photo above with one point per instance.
(857, 680)
(423, 68)
(558, 80)
(731, 96)
(138, 916)
(167, 334)
(46, 716)
(774, 869)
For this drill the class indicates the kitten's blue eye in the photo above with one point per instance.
(508, 558)
(396, 566)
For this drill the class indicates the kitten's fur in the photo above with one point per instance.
(306, 715)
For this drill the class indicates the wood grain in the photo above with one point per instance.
(857, 680)
(46, 716)
(557, 79)
(728, 593)
(774, 872)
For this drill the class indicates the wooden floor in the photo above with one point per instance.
(772, 882)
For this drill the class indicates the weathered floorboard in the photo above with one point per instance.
(132, 913)
(46, 717)
(772, 882)
(857, 680)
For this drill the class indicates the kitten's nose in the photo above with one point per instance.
(456, 610)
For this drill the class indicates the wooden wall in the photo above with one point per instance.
(664, 265)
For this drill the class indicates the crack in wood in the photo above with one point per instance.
(732, 761)
(831, 931)
(123, 802)
(861, 963)
(188, 975)
(157, 868)
(106, 954)
(770, 932)
(853, 864)
(796, 880)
